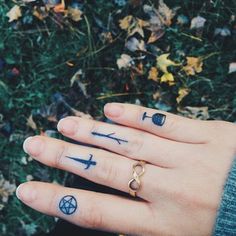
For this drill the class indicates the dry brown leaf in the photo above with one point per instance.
(133, 25)
(124, 61)
(156, 35)
(183, 92)
(125, 22)
(40, 12)
(153, 74)
(159, 19)
(194, 65)
(75, 14)
(14, 13)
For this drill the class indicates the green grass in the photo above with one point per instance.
(41, 50)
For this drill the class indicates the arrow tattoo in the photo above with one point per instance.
(110, 136)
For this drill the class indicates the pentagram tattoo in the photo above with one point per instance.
(157, 119)
(110, 136)
(68, 205)
(88, 163)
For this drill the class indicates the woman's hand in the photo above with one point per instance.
(187, 162)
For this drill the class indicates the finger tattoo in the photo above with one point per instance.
(68, 205)
(110, 136)
(88, 163)
(157, 119)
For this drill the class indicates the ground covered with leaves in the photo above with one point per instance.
(60, 58)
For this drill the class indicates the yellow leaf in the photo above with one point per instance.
(163, 63)
(194, 65)
(126, 22)
(183, 92)
(168, 78)
(153, 74)
(14, 13)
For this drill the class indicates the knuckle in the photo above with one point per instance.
(93, 218)
(172, 125)
(136, 145)
(60, 154)
(108, 171)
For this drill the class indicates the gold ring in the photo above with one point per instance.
(135, 183)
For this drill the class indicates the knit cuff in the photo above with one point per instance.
(226, 216)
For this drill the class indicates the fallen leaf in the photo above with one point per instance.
(153, 74)
(168, 78)
(133, 44)
(31, 123)
(163, 63)
(75, 14)
(124, 61)
(6, 189)
(156, 35)
(14, 13)
(40, 12)
(125, 22)
(76, 77)
(60, 8)
(232, 67)
(194, 65)
(183, 92)
(224, 32)
(159, 19)
(197, 22)
(133, 25)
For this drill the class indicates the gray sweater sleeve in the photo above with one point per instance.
(225, 224)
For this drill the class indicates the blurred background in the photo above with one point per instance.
(60, 58)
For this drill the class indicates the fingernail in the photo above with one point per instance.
(33, 146)
(113, 109)
(26, 193)
(67, 126)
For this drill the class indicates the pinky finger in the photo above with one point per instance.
(87, 209)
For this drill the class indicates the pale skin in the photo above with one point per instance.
(187, 165)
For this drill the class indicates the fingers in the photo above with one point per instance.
(160, 123)
(127, 141)
(97, 165)
(84, 208)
